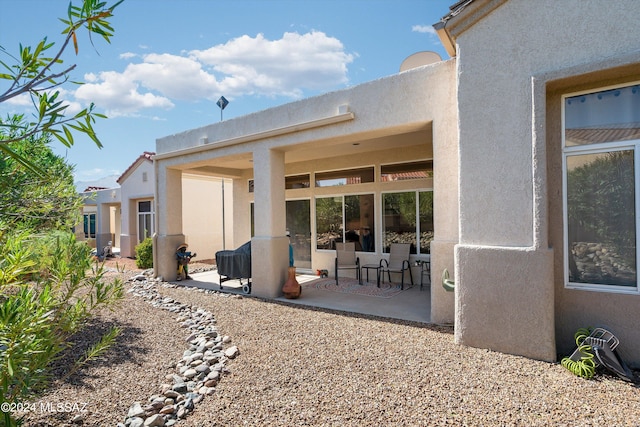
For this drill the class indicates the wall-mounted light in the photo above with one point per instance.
(204, 140)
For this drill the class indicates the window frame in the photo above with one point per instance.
(383, 177)
(86, 225)
(343, 213)
(382, 232)
(343, 174)
(152, 217)
(597, 148)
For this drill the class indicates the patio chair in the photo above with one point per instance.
(398, 263)
(346, 259)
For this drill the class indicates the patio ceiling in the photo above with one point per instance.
(235, 165)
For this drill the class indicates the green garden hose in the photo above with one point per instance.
(447, 284)
(581, 362)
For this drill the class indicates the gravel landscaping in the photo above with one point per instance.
(298, 366)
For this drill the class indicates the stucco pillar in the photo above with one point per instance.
(445, 214)
(128, 235)
(169, 235)
(241, 213)
(103, 227)
(270, 245)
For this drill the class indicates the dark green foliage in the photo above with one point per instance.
(32, 200)
(144, 253)
(601, 201)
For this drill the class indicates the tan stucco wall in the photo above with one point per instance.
(503, 167)
(202, 214)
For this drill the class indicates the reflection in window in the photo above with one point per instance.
(146, 226)
(344, 177)
(346, 218)
(426, 220)
(297, 181)
(406, 171)
(605, 116)
(328, 222)
(89, 222)
(400, 213)
(358, 211)
(601, 218)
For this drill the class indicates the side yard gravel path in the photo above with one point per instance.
(304, 367)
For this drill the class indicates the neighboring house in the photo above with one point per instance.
(126, 215)
(100, 217)
(512, 165)
(137, 187)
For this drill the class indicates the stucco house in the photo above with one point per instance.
(512, 164)
(100, 217)
(125, 215)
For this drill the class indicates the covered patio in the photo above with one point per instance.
(322, 168)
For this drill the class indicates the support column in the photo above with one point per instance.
(168, 200)
(270, 245)
(446, 215)
(103, 227)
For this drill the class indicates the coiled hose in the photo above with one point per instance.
(585, 366)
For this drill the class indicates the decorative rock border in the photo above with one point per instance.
(197, 372)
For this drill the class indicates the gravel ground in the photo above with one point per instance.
(304, 367)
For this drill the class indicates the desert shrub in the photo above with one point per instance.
(49, 289)
(144, 253)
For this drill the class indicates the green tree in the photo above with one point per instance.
(32, 200)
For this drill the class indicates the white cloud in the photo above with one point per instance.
(255, 65)
(23, 100)
(423, 29)
(242, 66)
(119, 94)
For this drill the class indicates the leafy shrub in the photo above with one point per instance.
(144, 253)
(48, 291)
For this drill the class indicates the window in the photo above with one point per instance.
(297, 181)
(89, 223)
(146, 226)
(345, 218)
(405, 171)
(600, 163)
(406, 216)
(344, 177)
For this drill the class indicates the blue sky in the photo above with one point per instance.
(171, 60)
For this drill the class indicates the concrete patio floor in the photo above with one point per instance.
(411, 304)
